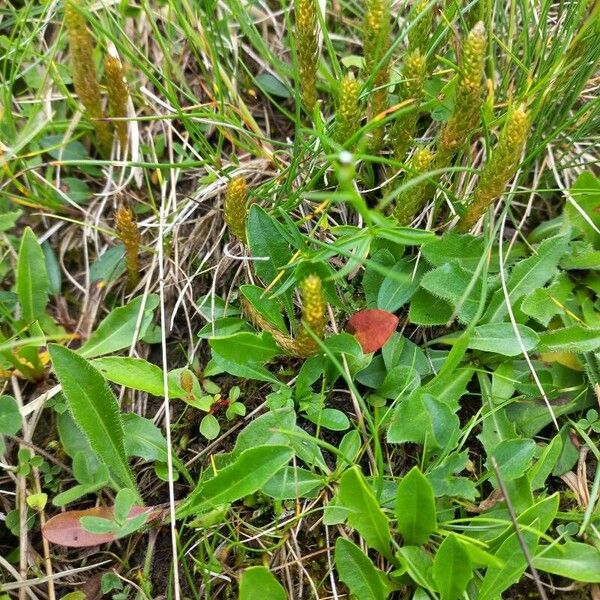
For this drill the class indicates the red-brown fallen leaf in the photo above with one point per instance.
(65, 529)
(372, 328)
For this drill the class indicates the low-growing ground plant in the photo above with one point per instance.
(299, 300)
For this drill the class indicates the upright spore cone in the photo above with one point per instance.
(83, 72)
(501, 167)
(313, 316)
(413, 74)
(412, 199)
(376, 41)
(418, 36)
(236, 207)
(118, 96)
(129, 234)
(307, 46)
(347, 116)
(469, 96)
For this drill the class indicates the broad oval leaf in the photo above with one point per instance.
(514, 457)
(577, 561)
(259, 582)
(358, 572)
(415, 508)
(94, 409)
(501, 338)
(365, 514)
(372, 328)
(65, 529)
(118, 329)
(451, 568)
(32, 279)
(570, 339)
(246, 475)
(293, 482)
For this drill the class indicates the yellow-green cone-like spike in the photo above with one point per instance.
(313, 316)
(118, 96)
(83, 72)
(347, 115)
(411, 200)
(128, 232)
(501, 166)
(236, 207)
(307, 46)
(376, 33)
(413, 74)
(469, 96)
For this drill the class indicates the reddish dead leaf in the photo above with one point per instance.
(65, 529)
(372, 328)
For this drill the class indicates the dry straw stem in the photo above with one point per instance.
(118, 96)
(307, 46)
(236, 207)
(469, 97)
(500, 168)
(347, 115)
(83, 72)
(375, 45)
(413, 73)
(129, 234)
(412, 199)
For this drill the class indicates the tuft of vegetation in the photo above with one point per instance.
(299, 300)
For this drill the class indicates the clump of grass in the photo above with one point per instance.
(412, 199)
(307, 46)
(413, 73)
(469, 97)
(376, 33)
(118, 96)
(500, 168)
(347, 115)
(129, 234)
(236, 207)
(83, 71)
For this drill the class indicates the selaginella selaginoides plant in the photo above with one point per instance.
(313, 316)
(307, 47)
(411, 88)
(302, 345)
(376, 34)
(118, 96)
(236, 207)
(83, 72)
(129, 234)
(411, 200)
(422, 18)
(347, 113)
(501, 166)
(469, 97)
